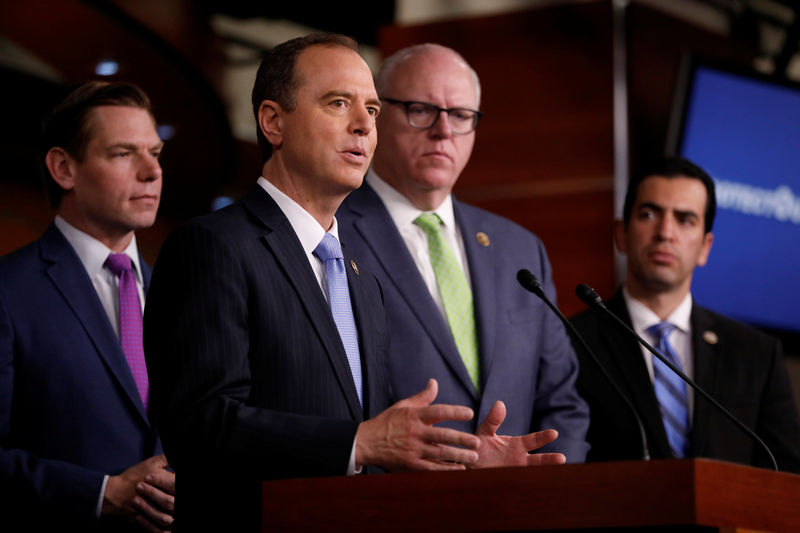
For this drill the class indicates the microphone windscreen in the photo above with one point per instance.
(528, 280)
(588, 295)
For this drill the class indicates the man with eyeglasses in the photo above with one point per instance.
(448, 272)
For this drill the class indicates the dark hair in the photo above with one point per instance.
(70, 125)
(276, 78)
(672, 167)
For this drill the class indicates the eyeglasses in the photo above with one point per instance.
(423, 116)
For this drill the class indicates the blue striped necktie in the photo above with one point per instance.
(330, 253)
(671, 391)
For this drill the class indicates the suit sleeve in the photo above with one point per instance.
(558, 404)
(29, 483)
(199, 327)
(778, 422)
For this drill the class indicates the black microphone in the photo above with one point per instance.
(529, 282)
(593, 300)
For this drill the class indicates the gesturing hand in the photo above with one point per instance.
(403, 437)
(500, 450)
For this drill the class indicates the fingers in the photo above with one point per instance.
(433, 414)
(493, 420)
(449, 454)
(145, 524)
(534, 441)
(162, 479)
(445, 438)
(156, 496)
(152, 513)
(422, 398)
(546, 459)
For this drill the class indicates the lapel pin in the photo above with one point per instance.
(482, 238)
(354, 267)
(710, 337)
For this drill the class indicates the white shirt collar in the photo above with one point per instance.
(400, 208)
(306, 227)
(642, 317)
(93, 253)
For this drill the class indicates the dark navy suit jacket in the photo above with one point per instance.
(741, 368)
(249, 377)
(69, 409)
(526, 358)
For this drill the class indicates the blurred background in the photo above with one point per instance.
(576, 94)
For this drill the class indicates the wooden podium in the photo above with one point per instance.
(667, 495)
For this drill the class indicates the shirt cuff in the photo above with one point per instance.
(351, 466)
(102, 495)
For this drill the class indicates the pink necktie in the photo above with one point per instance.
(130, 322)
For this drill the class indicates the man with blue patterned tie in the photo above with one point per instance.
(666, 233)
(265, 342)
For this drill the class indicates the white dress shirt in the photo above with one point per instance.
(93, 255)
(403, 214)
(310, 233)
(642, 317)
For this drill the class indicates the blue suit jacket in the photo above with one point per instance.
(69, 409)
(249, 377)
(525, 356)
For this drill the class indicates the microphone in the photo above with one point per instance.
(528, 281)
(593, 300)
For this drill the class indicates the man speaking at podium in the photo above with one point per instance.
(665, 233)
(265, 341)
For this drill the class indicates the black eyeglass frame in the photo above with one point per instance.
(408, 103)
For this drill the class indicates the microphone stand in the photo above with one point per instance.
(593, 300)
(528, 280)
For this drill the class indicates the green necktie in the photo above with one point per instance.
(455, 292)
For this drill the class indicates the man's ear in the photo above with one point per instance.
(60, 165)
(708, 240)
(269, 120)
(620, 232)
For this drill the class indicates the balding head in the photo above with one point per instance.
(410, 56)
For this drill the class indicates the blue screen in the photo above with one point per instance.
(746, 134)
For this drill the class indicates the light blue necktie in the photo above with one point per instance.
(330, 253)
(671, 391)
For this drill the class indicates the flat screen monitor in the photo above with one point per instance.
(744, 130)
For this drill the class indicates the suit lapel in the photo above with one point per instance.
(282, 241)
(707, 367)
(626, 355)
(380, 234)
(482, 267)
(363, 319)
(70, 278)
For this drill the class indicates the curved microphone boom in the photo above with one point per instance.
(528, 280)
(590, 297)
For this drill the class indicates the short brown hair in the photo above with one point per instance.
(276, 79)
(69, 126)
